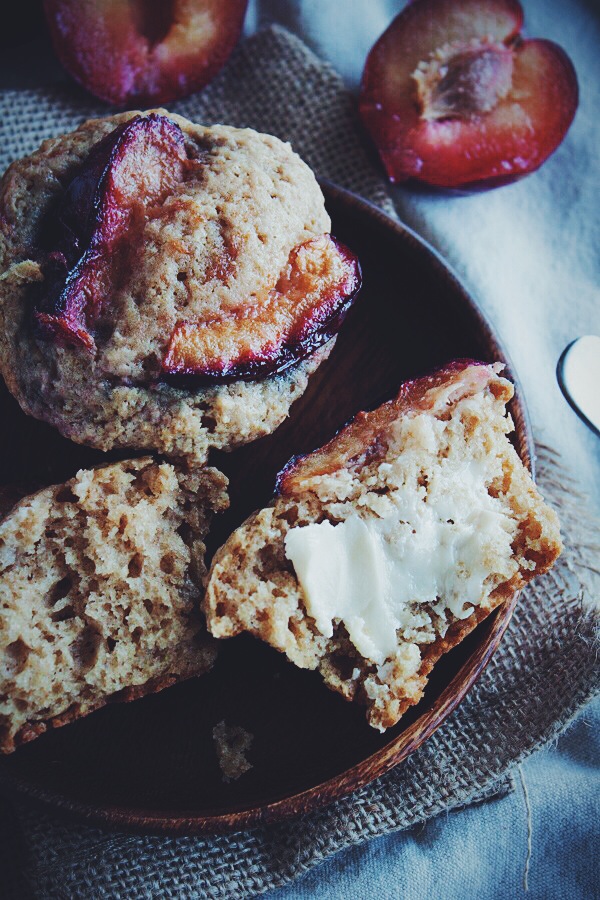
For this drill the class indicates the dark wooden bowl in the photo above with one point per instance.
(150, 765)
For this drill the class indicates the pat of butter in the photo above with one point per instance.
(374, 573)
(343, 574)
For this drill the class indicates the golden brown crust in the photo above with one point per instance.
(457, 632)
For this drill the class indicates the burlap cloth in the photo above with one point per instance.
(544, 671)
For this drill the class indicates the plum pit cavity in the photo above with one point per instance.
(463, 81)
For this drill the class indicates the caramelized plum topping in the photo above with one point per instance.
(125, 175)
(366, 436)
(303, 311)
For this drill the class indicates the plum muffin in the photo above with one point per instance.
(164, 285)
(384, 549)
(100, 585)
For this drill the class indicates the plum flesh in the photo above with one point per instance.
(128, 172)
(303, 311)
(144, 52)
(454, 97)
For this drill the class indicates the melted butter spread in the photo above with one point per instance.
(435, 548)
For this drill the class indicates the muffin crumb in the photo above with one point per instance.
(232, 742)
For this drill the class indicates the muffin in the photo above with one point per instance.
(100, 588)
(164, 285)
(384, 549)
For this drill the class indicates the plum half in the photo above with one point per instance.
(144, 52)
(304, 310)
(90, 229)
(453, 96)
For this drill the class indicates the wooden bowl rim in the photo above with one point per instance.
(400, 747)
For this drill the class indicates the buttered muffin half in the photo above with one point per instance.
(384, 549)
(164, 285)
(100, 589)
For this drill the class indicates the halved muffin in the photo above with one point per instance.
(384, 549)
(100, 588)
(164, 285)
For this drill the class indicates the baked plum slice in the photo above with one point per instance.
(453, 96)
(365, 437)
(303, 311)
(90, 230)
(144, 52)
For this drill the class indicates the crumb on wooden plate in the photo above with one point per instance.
(231, 744)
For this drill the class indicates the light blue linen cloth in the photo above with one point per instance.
(547, 828)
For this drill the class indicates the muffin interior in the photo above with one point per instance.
(100, 584)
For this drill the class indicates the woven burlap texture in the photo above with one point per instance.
(545, 670)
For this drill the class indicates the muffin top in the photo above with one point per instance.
(157, 283)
